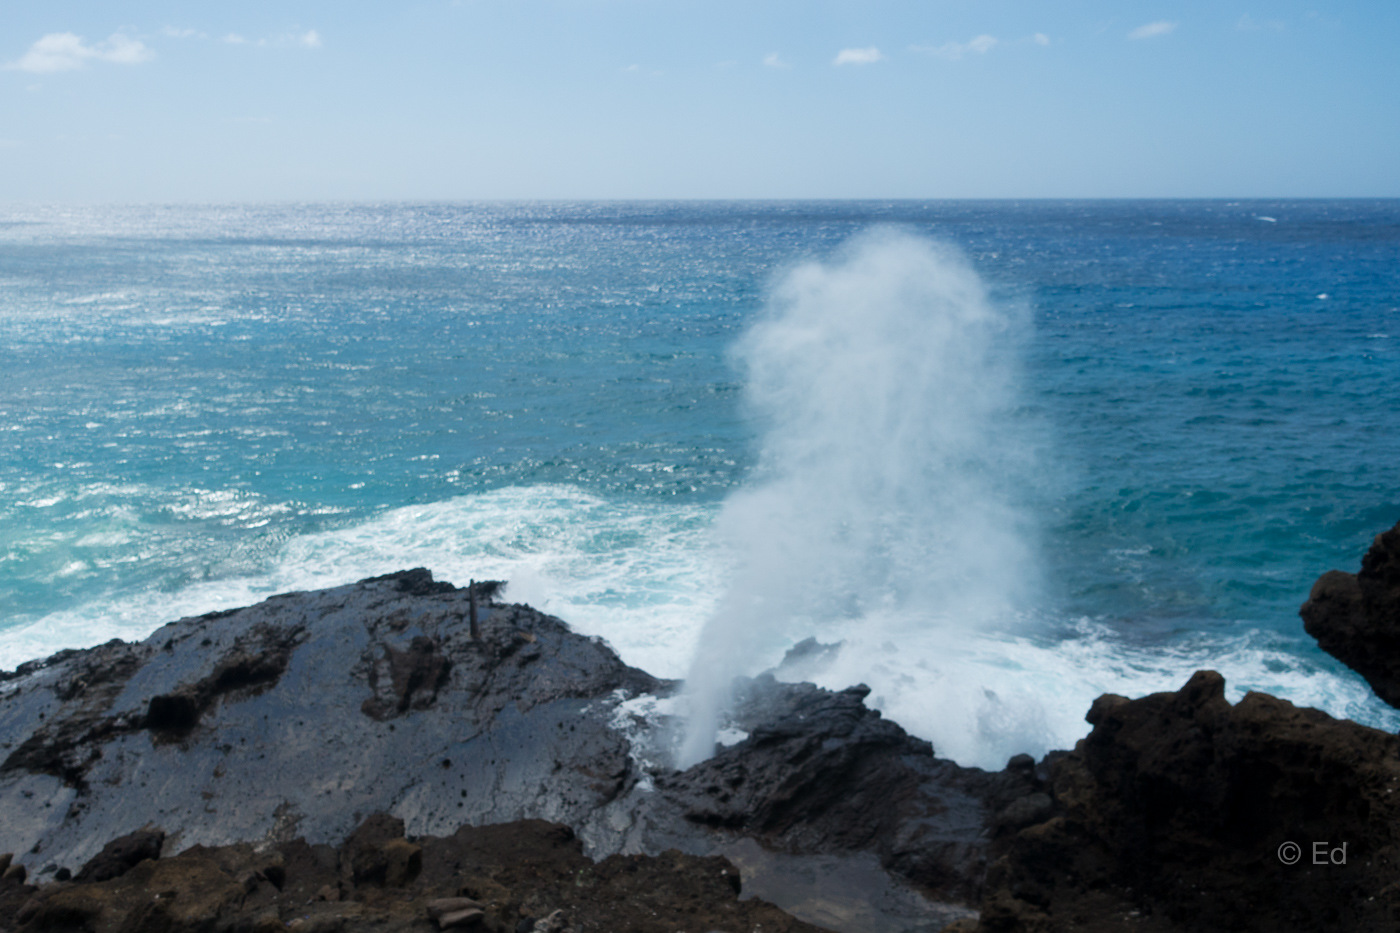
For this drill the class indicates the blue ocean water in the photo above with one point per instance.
(205, 405)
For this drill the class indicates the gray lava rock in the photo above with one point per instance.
(298, 716)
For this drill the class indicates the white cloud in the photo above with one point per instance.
(176, 32)
(866, 56)
(953, 51)
(1159, 28)
(65, 51)
(1041, 38)
(774, 60)
(310, 39)
(123, 50)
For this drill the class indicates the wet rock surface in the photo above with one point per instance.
(353, 758)
(1177, 813)
(820, 772)
(84, 685)
(300, 715)
(296, 718)
(1356, 617)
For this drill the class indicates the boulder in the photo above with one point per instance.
(503, 878)
(121, 855)
(299, 715)
(294, 718)
(819, 772)
(1356, 617)
(1182, 812)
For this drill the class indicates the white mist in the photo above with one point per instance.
(881, 512)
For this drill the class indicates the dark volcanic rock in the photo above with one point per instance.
(14, 893)
(1174, 814)
(1356, 617)
(405, 680)
(121, 855)
(296, 717)
(86, 684)
(502, 878)
(299, 715)
(257, 659)
(821, 772)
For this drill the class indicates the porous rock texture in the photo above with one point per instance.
(1176, 813)
(353, 758)
(303, 714)
(821, 772)
(298, 717)
(521, 876)
(1356, 617)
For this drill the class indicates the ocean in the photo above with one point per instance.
(1011, 455)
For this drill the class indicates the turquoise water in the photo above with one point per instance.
(204, 405)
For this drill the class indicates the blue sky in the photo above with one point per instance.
(464, 99)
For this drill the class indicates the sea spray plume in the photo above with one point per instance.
(883, 384)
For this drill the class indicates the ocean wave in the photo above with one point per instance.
(633, 572)
(645, 575)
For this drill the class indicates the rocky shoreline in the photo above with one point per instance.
(354, 759)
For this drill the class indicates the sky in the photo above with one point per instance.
(481, 99)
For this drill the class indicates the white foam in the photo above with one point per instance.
(644, 575)
(981, 697)
(638, 573)
(97, 297)
(884, 381)
(645, 721)
(730, 735)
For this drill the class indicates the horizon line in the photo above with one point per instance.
(67, 202)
